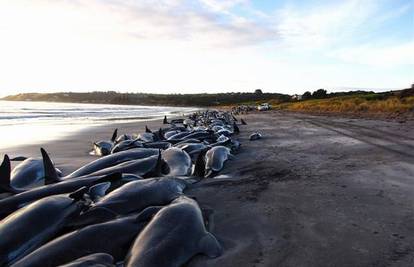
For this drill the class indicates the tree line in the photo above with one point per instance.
(112, 97)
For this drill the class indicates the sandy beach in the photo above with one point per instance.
(315, 191)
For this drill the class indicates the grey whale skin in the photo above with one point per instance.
(215, 158)
(112, 160)
(12, 203)
(178, 161)
(96, 260)
(174, 235)
(30, 173)
(134, 196)
(113, 237)
(30, 227)
(150, 166)
(103, 148)
(104, 226)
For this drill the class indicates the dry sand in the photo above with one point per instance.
(315, 191)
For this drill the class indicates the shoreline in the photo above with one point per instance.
(315, 191)
(72, 151)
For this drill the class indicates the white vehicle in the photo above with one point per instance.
(264, 106)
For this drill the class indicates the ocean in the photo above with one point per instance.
(35, 122)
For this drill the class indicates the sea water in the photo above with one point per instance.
(24, 122)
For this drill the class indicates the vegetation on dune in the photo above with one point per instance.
(389, 102)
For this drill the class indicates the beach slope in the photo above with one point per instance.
(315, 191)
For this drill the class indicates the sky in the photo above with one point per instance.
(205, 46)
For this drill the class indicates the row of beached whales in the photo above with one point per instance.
(127, 207)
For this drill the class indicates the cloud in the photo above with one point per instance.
(213, 23)
(204, 24)
(379, 56)
(322, 25)
(223, 6)
(208, 25)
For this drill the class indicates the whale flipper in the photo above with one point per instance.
(148, 213)
(78, 194)
(51, 175)
(97, 191)
(209, 246)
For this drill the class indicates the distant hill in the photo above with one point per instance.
(112, 97)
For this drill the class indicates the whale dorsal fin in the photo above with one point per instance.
(165, 121)
(160, 134)
(236, 128)
(5, 170)
(209, 246)
(200, 164)
(158, 167)
(51, 175)
(147, 130)
(114, 135)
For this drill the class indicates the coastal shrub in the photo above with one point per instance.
(354, 104)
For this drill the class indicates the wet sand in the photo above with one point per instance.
(315, 191)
